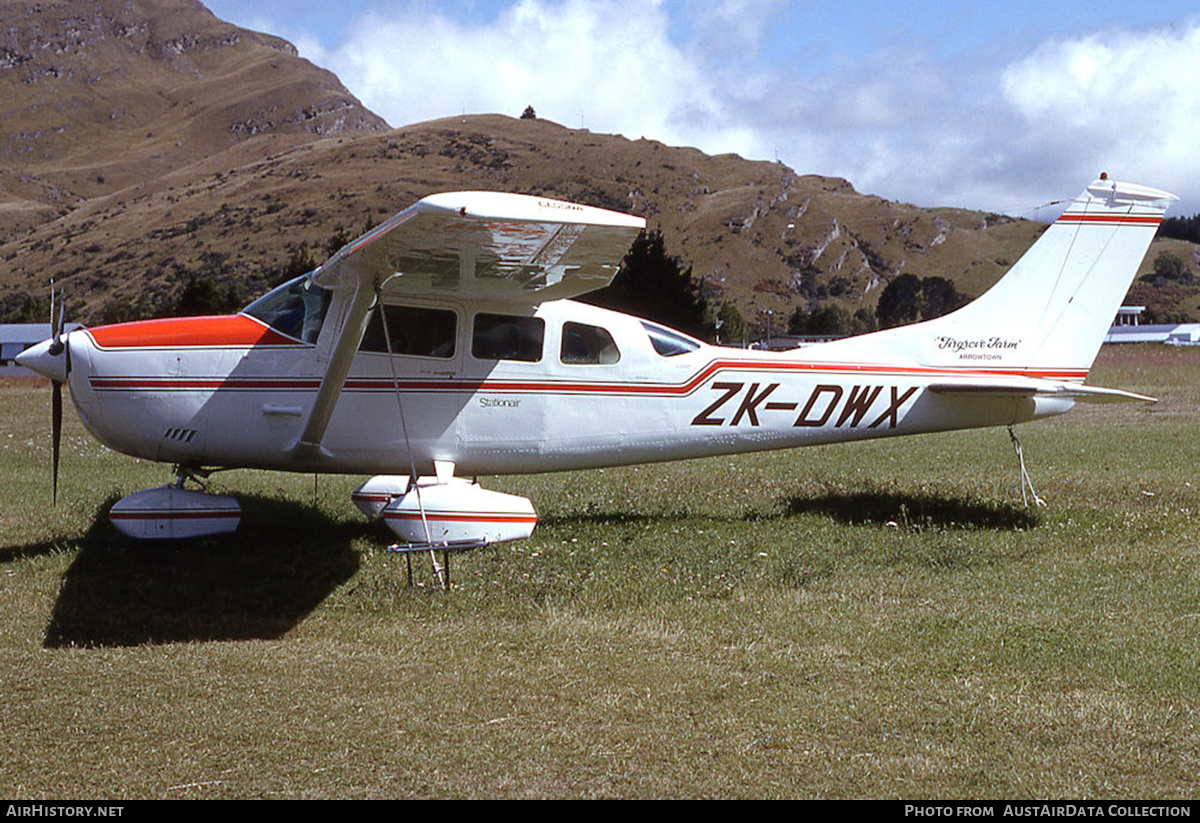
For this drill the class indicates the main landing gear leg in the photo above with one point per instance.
(441, 572)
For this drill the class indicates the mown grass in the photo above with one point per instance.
(868, 620)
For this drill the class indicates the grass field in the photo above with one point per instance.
(868, 620)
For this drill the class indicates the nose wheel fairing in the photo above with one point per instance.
(172, 512)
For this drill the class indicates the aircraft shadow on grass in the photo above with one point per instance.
(923, 510)
(859, 508)
(256, 584)
(288, 557)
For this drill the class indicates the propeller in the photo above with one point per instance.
(52, 358)
(57, 348)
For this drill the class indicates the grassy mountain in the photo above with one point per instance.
(151, 145)
(101, 95)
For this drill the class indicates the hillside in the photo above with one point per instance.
(103, 94)
(756, 233)
(154, 174)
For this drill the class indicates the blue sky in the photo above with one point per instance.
(998, 106)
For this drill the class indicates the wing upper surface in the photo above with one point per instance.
(488, 245)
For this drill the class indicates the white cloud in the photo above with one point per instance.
(609, 66)
(1120, 101)
(1004, 137)
(892, 123)
(729, 31)
(901, 120)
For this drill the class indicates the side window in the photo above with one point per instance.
(587, 345)
(668, 342)
(412, 330)
(505, 337)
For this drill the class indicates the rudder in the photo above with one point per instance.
(1047, 316)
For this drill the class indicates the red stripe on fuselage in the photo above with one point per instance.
(1112, 219)
(190, 332)
(552, 386)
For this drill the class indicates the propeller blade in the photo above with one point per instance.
(56, 323)
(42, 358)
(56, 431)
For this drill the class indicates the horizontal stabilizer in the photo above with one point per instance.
(1099, 394)
(1019, 387)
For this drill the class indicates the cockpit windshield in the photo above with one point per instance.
(297, 309)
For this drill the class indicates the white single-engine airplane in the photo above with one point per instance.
(441, 344)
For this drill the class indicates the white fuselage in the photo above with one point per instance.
(442, 342)
(230, 391)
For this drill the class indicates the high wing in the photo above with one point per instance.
(513, 248)
(489, 245)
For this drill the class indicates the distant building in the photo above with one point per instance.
(16, 338)
(1173, 334)
(784, 342)
(1127, 329)
(1128, 315)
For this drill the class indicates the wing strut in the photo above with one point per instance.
(487, 245)
(353, 326)
(412, 465)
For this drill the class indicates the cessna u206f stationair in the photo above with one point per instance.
(442, 344)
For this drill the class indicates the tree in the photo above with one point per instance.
(798, 321)
(1171, 266)
(20, 307)
(656, 286)
(1181, 228)
(938, 297)
(731, 326)
(829, 319)
(863, 321)
(908, 299)
(202, 296)
(301, 262)
(899, 302)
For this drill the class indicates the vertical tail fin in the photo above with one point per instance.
(1049, 313)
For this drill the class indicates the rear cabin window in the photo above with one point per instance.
(669, 343)
(584, 345)
(297, 309)
(412, 330)
(507, 337)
